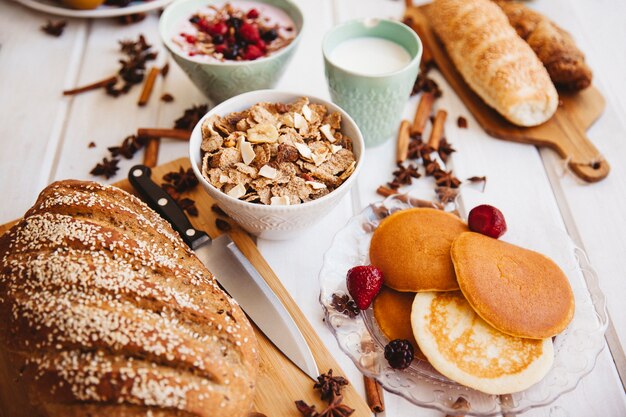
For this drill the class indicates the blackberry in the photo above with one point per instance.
(234, 22)
(194, 19)
(218, 39)
(399, 353)
(269, 35)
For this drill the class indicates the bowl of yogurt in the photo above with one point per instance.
(230, 47)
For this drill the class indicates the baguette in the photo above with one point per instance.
(554, 46)
(494, 61)
(106, 312)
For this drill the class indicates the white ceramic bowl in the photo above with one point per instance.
(275, 222)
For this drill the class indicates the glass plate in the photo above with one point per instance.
(576, 348)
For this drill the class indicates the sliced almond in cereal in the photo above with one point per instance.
(263, 133)
(279, 201)
(334, 149)
(306, 112)
(247, 151)
(325, 129)
(304, 150)
(237, 191)
(316, 185)
(268, 172)
(319, 156)
(224, 178)
(299, 122)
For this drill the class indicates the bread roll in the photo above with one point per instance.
(105, 311)
(494, 61)
(554, 46)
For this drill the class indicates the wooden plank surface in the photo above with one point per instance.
(280, 383)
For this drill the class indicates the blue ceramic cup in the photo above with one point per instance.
(375, 102)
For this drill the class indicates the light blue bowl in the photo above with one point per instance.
(375, 102)
(220, 81)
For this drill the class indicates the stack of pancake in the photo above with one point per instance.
(480, 310)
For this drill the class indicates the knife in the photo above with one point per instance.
(234, 272)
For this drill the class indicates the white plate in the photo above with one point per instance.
(576, 348)
(55, 7)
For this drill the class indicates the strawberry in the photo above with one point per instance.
(364, 283)
(487, 220)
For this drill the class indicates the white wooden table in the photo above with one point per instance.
(44, 136)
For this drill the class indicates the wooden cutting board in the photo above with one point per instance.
(565, 132)
(280, 383)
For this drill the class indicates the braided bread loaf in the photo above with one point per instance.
(106, 312)
(494, 61)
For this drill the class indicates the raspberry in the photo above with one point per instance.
(249, 32)
(252, 14)
(399, 353)
(219, 28)
(487, 220)
(252, 52)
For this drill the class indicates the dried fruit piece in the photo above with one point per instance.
(399, 353)
(487, 220)
(364, 283)
(263, 133)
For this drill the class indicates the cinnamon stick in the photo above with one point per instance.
(179, 134)
(402, 148)
(461, 404)
(151, 154)
(437, 133)
(422, 113)
(408, 3)
(148, 86)
(92, 86)
(420, 26)
(385, 191)
(374, 395)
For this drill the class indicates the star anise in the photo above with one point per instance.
(133, 66)
(330, 386)
(404, 174)
(191, 117)
(344, 305)
(446, 194)
(107, 168)
(334, 409)
(130, 145)
(54, 28)
(182, 180)
(446, 179)
(415, 149)
(445, 149)
(431, 166)
(188, 205)
(426, 84)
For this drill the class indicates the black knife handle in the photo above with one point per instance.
(164, 204)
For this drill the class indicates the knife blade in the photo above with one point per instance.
(234, 272)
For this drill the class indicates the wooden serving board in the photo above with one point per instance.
(565, 132)
(280, 383)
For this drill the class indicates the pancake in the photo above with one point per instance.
(518, 291)
(464, 348)
(392, 311)
(412, 248)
